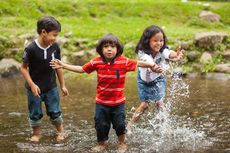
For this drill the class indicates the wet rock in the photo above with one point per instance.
(209, 16)
(8, 67)
(209, 40)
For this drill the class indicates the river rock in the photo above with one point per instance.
(192, 55)
(205, 58)
(226, 54)
(223, 68)
(217, 76)
(184, 45)
(209, 40)
(62, 41)
(78, 58)
(8, 67)
(209, 16)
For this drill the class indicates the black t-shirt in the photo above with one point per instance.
(38, 59)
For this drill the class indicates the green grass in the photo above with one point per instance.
(125, 18)
(92, 18)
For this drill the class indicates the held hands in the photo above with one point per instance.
(56, 64)
(157, 69)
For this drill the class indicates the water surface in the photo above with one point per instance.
(197, 118)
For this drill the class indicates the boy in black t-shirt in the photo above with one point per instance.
(41, 79)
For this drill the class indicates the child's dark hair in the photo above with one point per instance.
(48, 23)
(143, 43)
(109, 39)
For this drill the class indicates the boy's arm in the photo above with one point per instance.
(25, 73)
(62, 82)
(154, 67)
(57, 64)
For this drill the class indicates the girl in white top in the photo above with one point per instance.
(152, 47)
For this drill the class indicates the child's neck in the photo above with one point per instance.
(41, 42)
(153, 53)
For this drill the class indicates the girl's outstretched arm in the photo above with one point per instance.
(154, 67)
(57, 64)
(176, 56)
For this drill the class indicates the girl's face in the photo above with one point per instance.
(156, 42)
(109, 51)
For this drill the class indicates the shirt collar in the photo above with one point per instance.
(37, 43)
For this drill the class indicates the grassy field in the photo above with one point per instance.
(125, 18)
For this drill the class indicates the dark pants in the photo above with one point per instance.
(105, 115)
(51, 99)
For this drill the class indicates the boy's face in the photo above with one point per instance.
(109, 51)
(49, 37)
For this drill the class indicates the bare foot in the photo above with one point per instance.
(60, 137)
(35, 138)
(99, 147)
(122, 147)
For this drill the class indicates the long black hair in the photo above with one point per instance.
(143, 43)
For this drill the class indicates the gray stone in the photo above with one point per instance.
(205, 58)
(223, 68)
(218, 76)
(193, 55)
(184, 45)
(209, 40)
(209, 16)
(8, 67)
(226, 54)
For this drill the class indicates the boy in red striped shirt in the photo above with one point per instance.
(111, 69)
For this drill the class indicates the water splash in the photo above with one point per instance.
(161, 131)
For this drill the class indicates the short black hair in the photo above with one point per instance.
(143, 43)
(48, 23)
(109, 39)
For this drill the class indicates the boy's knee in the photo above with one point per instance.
(120, 128)
(56, 118)
(102, 126)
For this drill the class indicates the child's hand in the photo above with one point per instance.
(157, 69)
(180, 53)
(56, 64)
(64, 91)
(36, 90)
